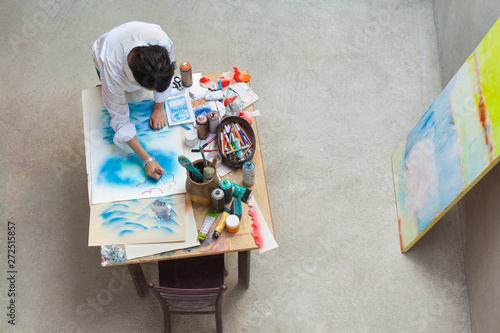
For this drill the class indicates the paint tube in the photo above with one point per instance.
(207, 225)
(243, 193)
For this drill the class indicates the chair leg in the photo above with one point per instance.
(218, 317)
(166, 319)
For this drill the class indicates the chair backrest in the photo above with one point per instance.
(188, 299)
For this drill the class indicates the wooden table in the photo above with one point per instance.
(241, 242)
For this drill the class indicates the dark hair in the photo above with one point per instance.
(152, 68)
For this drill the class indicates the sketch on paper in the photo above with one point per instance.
(152, 220)
(452, 146)
(118, 174)
(179, 109)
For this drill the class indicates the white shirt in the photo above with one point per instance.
(110, 53)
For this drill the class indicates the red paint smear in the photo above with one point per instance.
(256, 232)
(224, 82)
(483, 110)
(229, 100)
(204, 80)
(245, 116)
(219, 247)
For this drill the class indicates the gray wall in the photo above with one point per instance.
(460, 26)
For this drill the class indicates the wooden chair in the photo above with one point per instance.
(189, 285)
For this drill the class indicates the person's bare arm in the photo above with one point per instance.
(153, 169)
(158, 120)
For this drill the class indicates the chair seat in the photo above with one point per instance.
(192, 273)
(191, 284)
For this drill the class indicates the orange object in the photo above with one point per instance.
(185, 66)
(232, 224)
(240, 77)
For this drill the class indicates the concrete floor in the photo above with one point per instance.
(341, 84)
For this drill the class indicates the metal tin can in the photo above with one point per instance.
(248, 174)
(217, 200)
(213, 121)
(186, 75)
(202, 126)
(227, 186)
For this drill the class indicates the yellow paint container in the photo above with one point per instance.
(232, 224)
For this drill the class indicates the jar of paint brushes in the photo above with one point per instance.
(197, 191)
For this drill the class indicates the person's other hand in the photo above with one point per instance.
(158, 120)
(154, 170)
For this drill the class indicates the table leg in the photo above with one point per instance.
(138, 278)
(244, 268)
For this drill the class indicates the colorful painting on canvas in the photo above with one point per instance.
(117, 174)
(151, 220)
(454, 144)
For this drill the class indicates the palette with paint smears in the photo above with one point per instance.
(232, 156)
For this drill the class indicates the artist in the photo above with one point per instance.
(130, 57)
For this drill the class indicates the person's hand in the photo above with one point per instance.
(154, 170)
(158, 120)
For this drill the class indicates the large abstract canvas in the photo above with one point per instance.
(455, 143)
(117, 174)
(151, 220)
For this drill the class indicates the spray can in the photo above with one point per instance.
(217, 200)
(222, 223)
(248, 174)
(227, 186)
(207, 224)
(213, 121)
(186, 75)
(202, 126)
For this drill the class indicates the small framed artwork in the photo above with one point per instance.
(179, 109)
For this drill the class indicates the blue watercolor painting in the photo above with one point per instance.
(118, 174)
(152, 220)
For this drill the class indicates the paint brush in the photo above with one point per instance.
(208, 173)
(203, 156)
(185, 162)
(212, 163)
